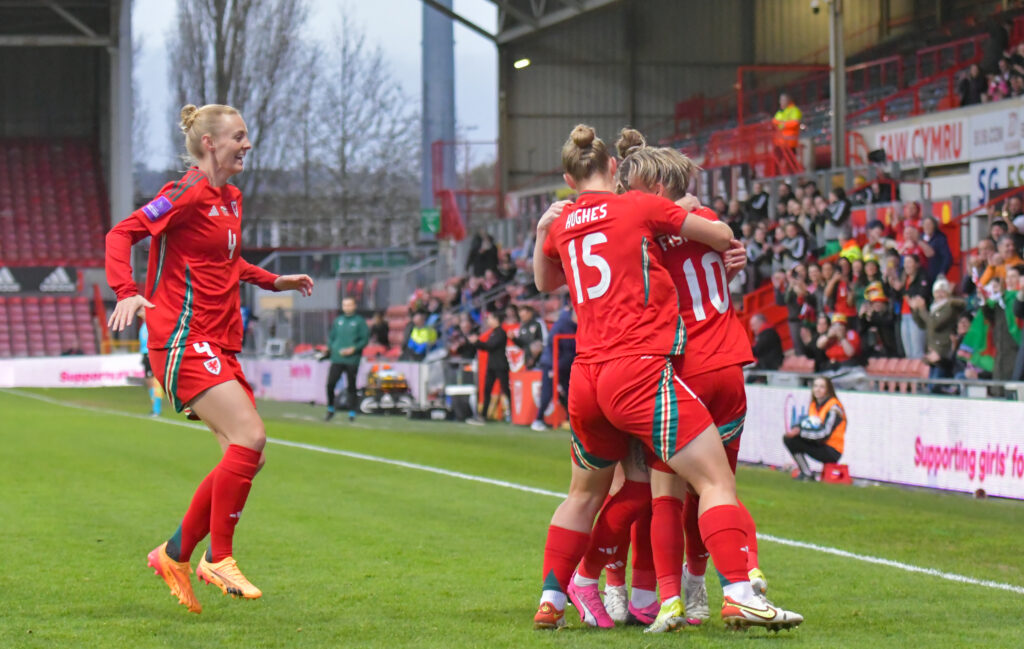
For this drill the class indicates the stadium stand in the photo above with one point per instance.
(52, 203)
(46, 326)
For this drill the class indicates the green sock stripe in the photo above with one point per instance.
(174, 545)
(550, 583)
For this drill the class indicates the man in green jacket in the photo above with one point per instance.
(349, 335)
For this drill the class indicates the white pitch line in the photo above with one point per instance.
(948, 576)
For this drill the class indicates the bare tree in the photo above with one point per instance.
(371, 140)
(249, 54)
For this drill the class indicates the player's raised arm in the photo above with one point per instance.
(547, 272)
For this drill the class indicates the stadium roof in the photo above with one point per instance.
(63, 23)
(519, 18)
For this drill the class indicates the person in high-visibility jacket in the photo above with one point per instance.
(820, 433)
(787, 123)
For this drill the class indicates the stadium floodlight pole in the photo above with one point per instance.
(837, 82)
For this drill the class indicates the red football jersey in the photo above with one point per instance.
(195, 263)
(715, 336)
(624, 298)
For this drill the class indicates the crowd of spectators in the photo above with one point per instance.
(1000, 75)
(890, 297)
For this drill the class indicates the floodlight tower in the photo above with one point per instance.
(438, 97)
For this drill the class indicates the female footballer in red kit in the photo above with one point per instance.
(195, 330)
(603, 246)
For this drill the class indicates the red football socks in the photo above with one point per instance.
(722, 530)
(196, 524)
(562, 553)
(667, 544)
(231, 483)
(643, 556)
(696, 553)
(750, 529)
(611, 530)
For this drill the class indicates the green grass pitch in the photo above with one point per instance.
(355, 553)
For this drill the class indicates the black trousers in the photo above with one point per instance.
(350, 371)
(492, 375)
(800, 447)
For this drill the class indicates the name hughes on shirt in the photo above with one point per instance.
(586, 215)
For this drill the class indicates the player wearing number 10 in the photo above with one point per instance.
(603, 246)
(195, 330)
(718, 347)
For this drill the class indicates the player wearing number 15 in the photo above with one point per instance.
(195, 330)
(623, 384)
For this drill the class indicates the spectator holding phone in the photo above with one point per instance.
(840, 344)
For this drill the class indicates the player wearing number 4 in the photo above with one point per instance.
(195, 330)
(624, 385)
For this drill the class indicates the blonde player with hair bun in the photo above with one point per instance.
(195, 331)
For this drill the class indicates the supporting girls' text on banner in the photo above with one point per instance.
(939, 442)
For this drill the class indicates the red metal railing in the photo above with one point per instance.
(752, 144)
(934, 53)
(949, 76)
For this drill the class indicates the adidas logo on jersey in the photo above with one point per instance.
(213, 210)
(58, 281)
(7, 282)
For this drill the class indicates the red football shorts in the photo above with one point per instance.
(633, 396)
(186, 372)
(723, 392)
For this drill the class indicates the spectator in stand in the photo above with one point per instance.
(912, 244)
(793, 248)
(960, 357)
(1004, 330)
(349, 336)
(497, 365)
(837, 221)
(809, 334)
(939, 324)
(759, 257)
(912, 283)
(720, 207)
(998, 229)
(506, 271)
(1017, 59)
(767, 346)
(757, 204)
(872, 274)
(1018, 312)
(972, 86)
(941, 258)
(483, 255)
(434, 312)
(1007, 256)
(977, 264)
(787, 124)
(998, 88)
(816, 283)
(532, 334)
(877, 242)
(785, 193)
(458, 342)
(565, 325)
(422, 338)
(841, 344)
(840, 294)
(800, 305)
(819, 434)
(379, 330)
(735, 217)
(882, 188)
(1017, 85)
(877, 324)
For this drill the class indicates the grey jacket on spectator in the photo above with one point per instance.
(837, 221)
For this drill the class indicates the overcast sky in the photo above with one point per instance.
(394, 24)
